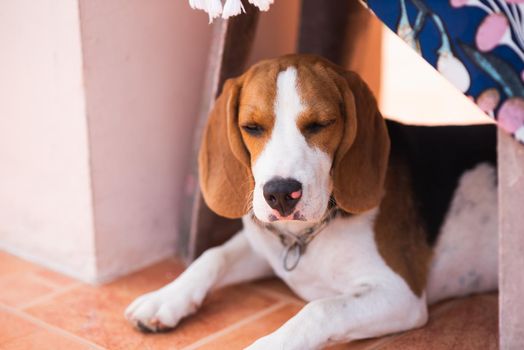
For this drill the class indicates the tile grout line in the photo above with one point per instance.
(49, 296)
(235, 326)
(49, 327)
(48, 283)
(31, 276)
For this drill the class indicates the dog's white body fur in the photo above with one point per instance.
(352, 292)
(466, 257)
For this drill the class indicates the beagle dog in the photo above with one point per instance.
(368, 220)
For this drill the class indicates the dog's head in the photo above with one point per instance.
(287, 136)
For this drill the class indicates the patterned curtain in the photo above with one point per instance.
(478, 45)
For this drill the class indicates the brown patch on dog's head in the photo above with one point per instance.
(322, 122)
(256, 107)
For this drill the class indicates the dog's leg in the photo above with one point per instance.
(233, 262)
(365, 312)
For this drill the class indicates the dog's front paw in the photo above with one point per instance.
(160, 310)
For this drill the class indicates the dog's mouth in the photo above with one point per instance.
(296, 216)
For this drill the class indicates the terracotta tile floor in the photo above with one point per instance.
(41, 309)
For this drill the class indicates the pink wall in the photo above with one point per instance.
(277, 31)
(45, 198)
(98, 103)
(143, 71)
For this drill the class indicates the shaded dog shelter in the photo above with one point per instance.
(324, 26)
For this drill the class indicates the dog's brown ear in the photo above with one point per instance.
(224, 167)
(360, 163)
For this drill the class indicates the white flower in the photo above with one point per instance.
(197, 4)
(212, 7)
(263, 5)
(232, 8)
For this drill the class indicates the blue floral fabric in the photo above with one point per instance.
(478, 45)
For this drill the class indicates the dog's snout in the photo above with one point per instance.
(283, 195)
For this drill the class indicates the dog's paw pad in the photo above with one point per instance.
(143, 328)
(154, 326)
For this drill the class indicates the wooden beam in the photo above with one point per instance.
(232, 40)
(324, 28)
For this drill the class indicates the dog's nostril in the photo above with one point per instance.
(283, 194)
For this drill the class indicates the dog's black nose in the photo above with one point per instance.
(283, 194)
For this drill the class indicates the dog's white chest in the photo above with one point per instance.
(338, 258)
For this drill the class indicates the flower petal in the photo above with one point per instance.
(453, 70)
(491, 31)
(232, 8)
(263, 5)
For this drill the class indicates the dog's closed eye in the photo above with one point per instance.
(314, 127)
(253, 129)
